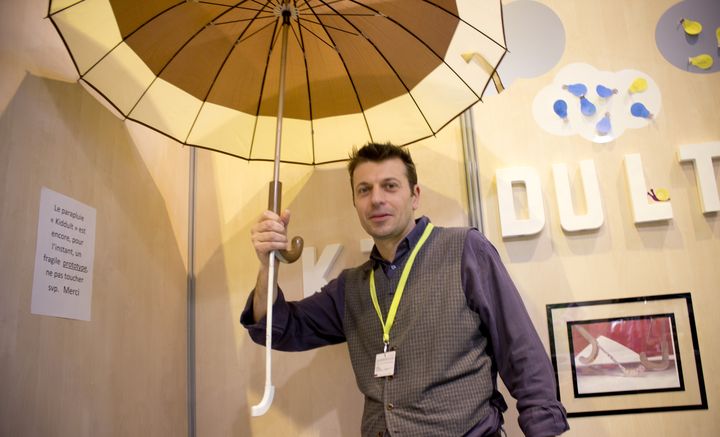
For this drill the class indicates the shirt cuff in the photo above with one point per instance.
(256, 328)
(544, 421)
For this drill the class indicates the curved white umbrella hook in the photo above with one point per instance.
(266, 401)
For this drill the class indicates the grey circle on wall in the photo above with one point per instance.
(677, 46)
(535, 38)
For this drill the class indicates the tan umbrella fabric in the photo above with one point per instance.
(206, 73)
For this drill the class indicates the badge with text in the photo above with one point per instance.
(385, 364)
(385, 361)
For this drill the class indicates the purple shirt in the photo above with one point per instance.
(513, 344)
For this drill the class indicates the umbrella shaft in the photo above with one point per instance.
(281, 108)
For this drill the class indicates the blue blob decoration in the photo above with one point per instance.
(604, 126)
(560, 108)
(576, 89)
(604, 91)
(639, 110)
(586, 107)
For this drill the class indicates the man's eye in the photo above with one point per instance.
(362, 190)
(391, 186)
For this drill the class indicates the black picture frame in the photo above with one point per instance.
(626, 355)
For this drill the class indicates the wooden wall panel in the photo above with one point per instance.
(621, 259)
(124, 372)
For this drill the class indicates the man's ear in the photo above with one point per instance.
(416, 196)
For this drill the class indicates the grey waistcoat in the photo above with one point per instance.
(442, 380)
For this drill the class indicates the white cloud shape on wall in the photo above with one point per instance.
(618, 107)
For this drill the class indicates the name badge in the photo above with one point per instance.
(385, 364)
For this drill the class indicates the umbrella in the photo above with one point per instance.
(231, 75)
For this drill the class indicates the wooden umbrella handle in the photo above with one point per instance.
(296, 244)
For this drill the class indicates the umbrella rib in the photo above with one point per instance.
(301, 42)
(430, 49)
(317, 36)
(125, 38)
(219, 70)
(82, 75)
(211, 22)
(185, 141)
(309, 7)
(233, 7)
(321, 14)
(352, 82)
(244, 37)
(441, 58)
(67, 47)
(494, 71)
(122, 40)
(245, 19)
(224, 152)
(273, 40)
(262, 5)
(502, 23)
(192, 126)
(327, 27)
(62, 9)
(389, 64)
(164, 66)
(468, 24)
(237, 5)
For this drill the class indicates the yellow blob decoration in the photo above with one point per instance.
(691, 27)
(639, 85)
(662, 194)
(701, 61)
(717, 35)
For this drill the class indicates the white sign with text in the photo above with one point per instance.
(64, 254)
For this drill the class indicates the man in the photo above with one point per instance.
(429, 319)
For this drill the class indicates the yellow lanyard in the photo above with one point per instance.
(387, 325)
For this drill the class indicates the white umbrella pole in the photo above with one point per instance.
(266, 401)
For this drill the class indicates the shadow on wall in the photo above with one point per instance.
(129, 356)
(315, 390)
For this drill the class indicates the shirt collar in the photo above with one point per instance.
(405, 246)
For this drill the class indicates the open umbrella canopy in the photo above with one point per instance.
(206, 72)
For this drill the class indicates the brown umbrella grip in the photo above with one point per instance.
(292, 255)
(297, 243)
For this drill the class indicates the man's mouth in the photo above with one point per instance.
(379, 216)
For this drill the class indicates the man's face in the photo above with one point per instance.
(383, 199)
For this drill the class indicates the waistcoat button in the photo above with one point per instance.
(390, 406)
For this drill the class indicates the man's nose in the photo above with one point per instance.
(377, 196)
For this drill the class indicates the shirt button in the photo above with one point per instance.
(393, 266)
(390, 406)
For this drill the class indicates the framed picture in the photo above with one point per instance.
(630, 355)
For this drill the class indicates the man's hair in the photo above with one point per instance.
(376, 152)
